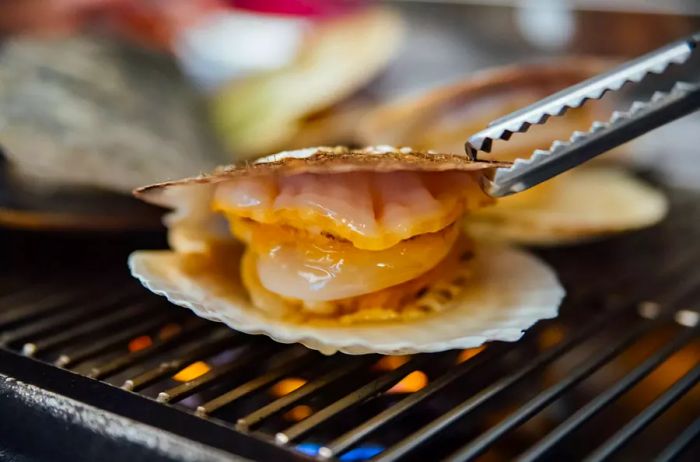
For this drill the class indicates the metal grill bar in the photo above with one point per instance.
(54, 299)
(242, 390)
(664, 290)
(213, 343)
(678, 291)
(192, 326)
(80, 331)
(340, 369)
(50, 288)
(622, 437)
(671, 286)
(69, 358)
(91, 436)
(253, 353)
(539, 402)
(625, 280)
(601, 401)
(355, 435)
(680, 444)
(376, 386)
(419, 437)
(52, 324)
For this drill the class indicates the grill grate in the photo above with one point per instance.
(614, 376)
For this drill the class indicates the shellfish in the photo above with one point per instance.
(341, 250)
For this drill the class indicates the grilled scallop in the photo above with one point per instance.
(353, 251)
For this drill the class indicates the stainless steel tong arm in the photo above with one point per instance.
(642, 117)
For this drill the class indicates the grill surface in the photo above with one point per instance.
(613, 378)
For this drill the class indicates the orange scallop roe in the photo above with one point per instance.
(387, 304)
(298, 265)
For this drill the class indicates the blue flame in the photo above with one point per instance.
(361, 453)
(354, 455)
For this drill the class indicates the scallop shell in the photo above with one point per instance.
(584, 204)
(510, 291)
(580, 205)
(324, 159)
(192, 224)
(444, 117)
(265, 112)
(128, 117)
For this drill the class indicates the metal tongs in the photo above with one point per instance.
(642, 117)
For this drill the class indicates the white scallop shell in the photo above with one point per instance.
(582, 205)
(510, 291)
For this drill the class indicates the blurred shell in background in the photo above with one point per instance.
(92, 111)
(580, 205)
(583, 205)
(266, 112)
(443, 118)
(72, 209)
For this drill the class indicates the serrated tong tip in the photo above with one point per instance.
(562, 155)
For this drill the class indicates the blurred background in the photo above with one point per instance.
(100, 96)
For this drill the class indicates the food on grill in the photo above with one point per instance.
(263, 113)
(357, 251)
(586, 203)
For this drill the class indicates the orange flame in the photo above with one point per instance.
(140, 343)
(469, 353)
(192, 371)
(286, 386)
(298, 413)
(411, 383)
(389, 363)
